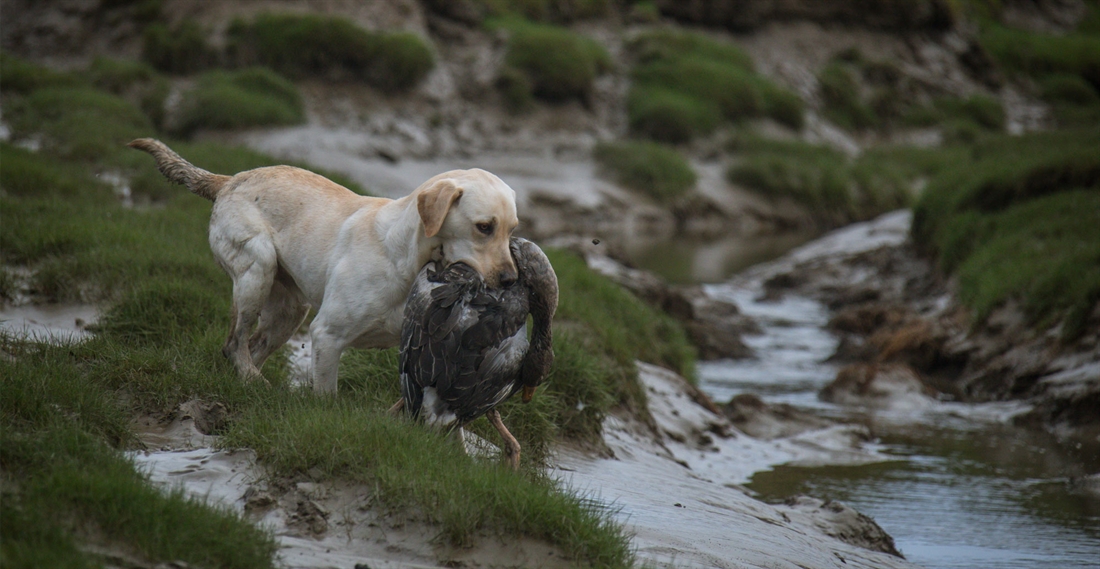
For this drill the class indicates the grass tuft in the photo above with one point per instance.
(238, 99)
(21, 76)
(658, 171)
(559, 64)
(669, 116)
(834, 187)
(686, 84)
(304, 45)
(1016, 218)
(840, 94)
(78, 123)
(25, 173)
(180, 50)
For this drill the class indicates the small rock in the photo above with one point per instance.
(843, 522)
(876, 385)
(749, 413)
(209, 418)
(256, 499)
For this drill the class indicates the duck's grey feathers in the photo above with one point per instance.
(462, 339)
(466, 344)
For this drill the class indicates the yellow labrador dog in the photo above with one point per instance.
(291, 239)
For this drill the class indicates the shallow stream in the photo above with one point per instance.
(965, 489)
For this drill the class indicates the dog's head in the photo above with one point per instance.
(473, 214)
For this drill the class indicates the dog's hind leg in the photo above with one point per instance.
(280, 317)
(251, 263)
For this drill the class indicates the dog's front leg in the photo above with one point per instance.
(328, 344)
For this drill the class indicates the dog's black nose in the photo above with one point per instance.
(508, 277)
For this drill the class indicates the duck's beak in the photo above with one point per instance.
(528, 393)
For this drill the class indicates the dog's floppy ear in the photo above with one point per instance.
(434, 202)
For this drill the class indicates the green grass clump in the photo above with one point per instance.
(416, 470)
(134, 81)
(301, 45)
(26, 173)
(180, 50)
(237, 99)
(686, 84)
(558, 64)
(816, 176)
(669, 116)
(79, 123)
(1073, 100)
(1040, 55)
(61, 432)
(1044, 251)
(658, 171)
(840, 94)
(20, 76)
(836, 188)
(981, 113)
(999, 219)
(546, 11)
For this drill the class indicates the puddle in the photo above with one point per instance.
(54, 323)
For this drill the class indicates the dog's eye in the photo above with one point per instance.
(486, 228)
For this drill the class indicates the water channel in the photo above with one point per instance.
(963, 487)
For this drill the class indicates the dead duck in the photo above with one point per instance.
(464, 346)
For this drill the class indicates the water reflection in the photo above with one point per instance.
(690, 261)
(991, 497)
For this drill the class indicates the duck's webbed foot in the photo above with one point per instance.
(511, 445)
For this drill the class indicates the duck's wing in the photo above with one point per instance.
(491, 353)
(436, 310)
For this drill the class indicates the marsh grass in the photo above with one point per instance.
(557, 64)
(545, 11)
(1039, 55)
(1016, 218)
(134, 81)
(686, 84)
(302, 45)
(181, 50)
(20, 76)
(840, 93)
(654, 169)
(836, 188)
(78, 123)
(62, 428)
(238, 99)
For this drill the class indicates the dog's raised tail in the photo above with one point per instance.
(180, 171)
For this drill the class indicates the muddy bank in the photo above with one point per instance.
(678, 489)
(904, 333)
